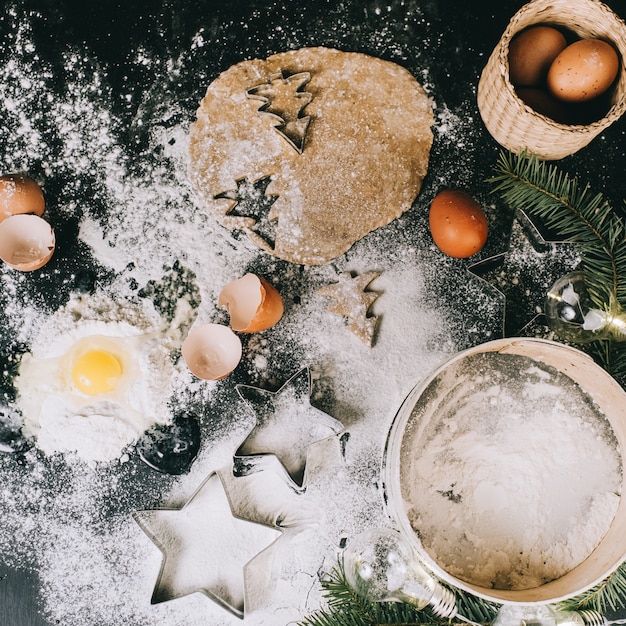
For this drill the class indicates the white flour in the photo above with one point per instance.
(97, 428)
(518, 466)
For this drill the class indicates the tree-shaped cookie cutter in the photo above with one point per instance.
(283, 99)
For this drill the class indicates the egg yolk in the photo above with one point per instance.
(96, 372)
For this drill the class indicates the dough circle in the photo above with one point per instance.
(364, 156)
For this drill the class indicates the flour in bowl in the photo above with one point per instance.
(510, 472)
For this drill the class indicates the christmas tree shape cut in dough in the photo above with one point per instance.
(283, 99)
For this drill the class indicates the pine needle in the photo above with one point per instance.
(575, 214)
(345, 608)
(609, 595)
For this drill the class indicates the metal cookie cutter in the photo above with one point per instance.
(287, 424)
(205, 547)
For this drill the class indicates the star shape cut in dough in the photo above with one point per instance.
(286, 426)
(525, 273)
(205, 547)
(353, 302)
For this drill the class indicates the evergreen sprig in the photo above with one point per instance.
(608, 595)
(573, 212)
(346, 608)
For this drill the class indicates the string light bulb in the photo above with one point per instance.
(380, 565)
(573, 316)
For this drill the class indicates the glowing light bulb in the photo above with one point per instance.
(574, 317)
(380, 565)
(96, 372)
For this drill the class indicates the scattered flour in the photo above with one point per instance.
(59, 415)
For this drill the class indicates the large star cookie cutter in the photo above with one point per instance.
(205, 547)
(523, 274)
(286, 426)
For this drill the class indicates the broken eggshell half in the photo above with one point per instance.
(252, 303)
(20, 194)
(26, 242)
(211, 351)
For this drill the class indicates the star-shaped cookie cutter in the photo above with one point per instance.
(287, 424)
(524, 272)
(205, 547)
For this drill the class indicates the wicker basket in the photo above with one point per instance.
(514, 124)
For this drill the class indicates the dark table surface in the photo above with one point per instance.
(443, 43)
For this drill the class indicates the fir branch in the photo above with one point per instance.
(346, 608)
(474, 608)
(574, 214)
(610, 594)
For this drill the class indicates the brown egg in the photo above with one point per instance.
(544, 103)
(457, 223)
(531, 53)
(20, 194)
(583, 71)
(252, 303)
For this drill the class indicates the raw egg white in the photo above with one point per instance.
(252, 303)
(95, 389)
(457, 223)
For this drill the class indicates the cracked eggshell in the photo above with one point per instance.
(252, 303)
(211, 351)
(26, 242)
(20, 194)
